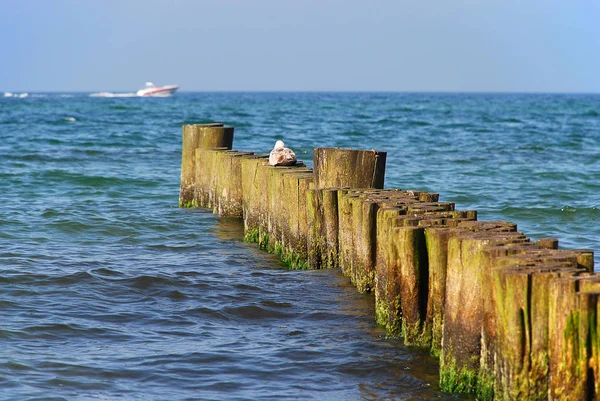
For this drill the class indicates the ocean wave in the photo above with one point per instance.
(418, 123)
(255, 312)
(121, 107)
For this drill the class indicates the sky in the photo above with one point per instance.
(301, 45)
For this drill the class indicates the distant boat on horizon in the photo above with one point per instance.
(149, 90)
(21, 96)
(158, 91)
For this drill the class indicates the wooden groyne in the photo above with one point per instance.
(508, 318)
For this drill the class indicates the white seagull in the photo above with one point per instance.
(282, 156)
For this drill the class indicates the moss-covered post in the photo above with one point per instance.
(467, 285)
(585, 259)
(383, 260)
(389, 285)
(305, 183)
(461, 343)
(211, 136)
(251, 196)
(547, 243)
(390, 305)
(436, 240)
(316, 236)
(500, 244)
(589, 334)
(206, 176)
(520, 341)
(540, 280)
(363, 258)
(335, 167)
(229, 195)
(276, 224)
(292, 213)
(568, 367)
(345, 231)
(513, 334)
(212, 176)
(261, 177)
(196, 136)
(342, 216)
(329, 256)
(414, 272)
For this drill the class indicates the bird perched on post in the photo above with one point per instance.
(282, 156)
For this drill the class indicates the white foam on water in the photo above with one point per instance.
(111, 94)
(17, 95)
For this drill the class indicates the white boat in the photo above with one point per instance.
(19, 95)
(153, 90)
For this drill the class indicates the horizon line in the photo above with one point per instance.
(532, 92)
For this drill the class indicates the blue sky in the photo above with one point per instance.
(305, 45)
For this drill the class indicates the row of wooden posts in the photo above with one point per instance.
(509, 319)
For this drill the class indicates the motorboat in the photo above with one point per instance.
(19, 95)
(160, 91)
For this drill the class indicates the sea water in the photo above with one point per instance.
(109, 291)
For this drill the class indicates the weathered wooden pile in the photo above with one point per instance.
(508, 318)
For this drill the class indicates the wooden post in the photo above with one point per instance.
(413, 270)
(229, 195)
(547, 243)
(466, 289)
(345, 233)
(336, 167)
(436, 240)
(363, 253)
(329, 257)
(305, 183)
(251, 187)
(293, 211)
(206, 176)
(390, 305)
(196, 136)
(211, 136)
(567, 376)
(383, 261)
(520, 340)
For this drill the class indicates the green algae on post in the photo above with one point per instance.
(383, 260)
(412, 267)
(329, 257)
(316, 238)
(251, 187)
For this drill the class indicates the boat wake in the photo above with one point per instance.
(150, 90)
(111, 94)
(18, 95)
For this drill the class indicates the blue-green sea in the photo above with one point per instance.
(109, 291)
